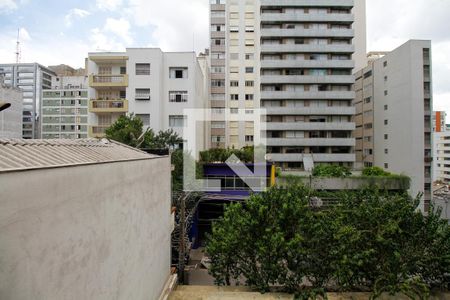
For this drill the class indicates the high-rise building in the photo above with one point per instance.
(393, 114)
(11, 117)
(294, 59)
(151, 84)
(64, 108)
(32, 79)
(439, 120)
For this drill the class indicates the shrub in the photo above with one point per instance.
(375, 171)
(331, 171)
(370, 240)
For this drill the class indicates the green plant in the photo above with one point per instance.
(331, 171)
(375, 171)
(369, 240)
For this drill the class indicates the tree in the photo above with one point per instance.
(370, 240)
(331, 171)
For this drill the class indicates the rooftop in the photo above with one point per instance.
(19, 155)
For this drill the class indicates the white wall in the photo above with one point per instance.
(90, 232)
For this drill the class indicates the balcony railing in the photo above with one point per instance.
(98, 131)
(108, 80)
(108, 106)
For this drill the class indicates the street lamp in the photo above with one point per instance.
(4, 105)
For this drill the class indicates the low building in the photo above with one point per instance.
(83, 219)
(64, 108)
(11, 118)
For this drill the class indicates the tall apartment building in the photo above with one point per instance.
(441, 147)
(439, 119)
(64, 108)
(295, 59)
(149, 83)
(11, 118)
(393, 114)
(32, 79)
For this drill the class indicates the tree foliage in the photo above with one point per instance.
(375, 171)
(370, 240)
(331, 171)
(129, 130)
(245, 154)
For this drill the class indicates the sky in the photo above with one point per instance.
(63, 31)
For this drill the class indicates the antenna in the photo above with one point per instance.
(18, 47)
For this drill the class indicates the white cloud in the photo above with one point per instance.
(99, 41)
(75, 13)
(111, 5)
(24, 35)
(119, 27)
(7, 6)
(176, 23)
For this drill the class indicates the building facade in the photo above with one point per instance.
(32, 79)
(439, 121)
(393, 115)
(11, 118)
(441, 148)
(153, 85)
(64, 108)
(295, 60)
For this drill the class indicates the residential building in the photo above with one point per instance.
(294, 59)
(441, 162)
(32, 79)
(11, 118)
(153, 85)
(439, 121)
(393, 115)
(83, 219)
(65, 108)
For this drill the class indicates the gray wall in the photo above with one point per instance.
(88, 232)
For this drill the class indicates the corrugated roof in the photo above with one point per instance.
(18, 154)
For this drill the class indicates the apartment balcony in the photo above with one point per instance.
(306, 126)
(286, 32)
(307, 48)
(319, 142)
(318, 111)
(108, 106)
(317, 158)
(278, 64)
(107, 81)
(307, 79)
(312, 3)
(301, 17)
(98, 131)
(325, 95)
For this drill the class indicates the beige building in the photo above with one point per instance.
(83, 219)
(295, 60)
(11, 118)
(393, 114)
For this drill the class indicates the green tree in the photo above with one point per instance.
(128, 130)
(331, 171)
(369, 240)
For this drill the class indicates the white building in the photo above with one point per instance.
(32, 79)
(83, 219)
(393, 114)
(11, 118)
(295, 59)
(64, 110)
(149, 83)
(442, 156)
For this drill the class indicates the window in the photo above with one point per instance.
(145, 118)
(234, 28)
(249, 28)
(386, 93)
(234, 83)
(249, 56)
(178, 96)
(386, 151)
(367, 100)
(234, 97)
(249, 97)
(385, 78)
(249, 70)
(386, 165)
(142, 69)
(177, 121)
(249, 83)
(123, 70)
(386, 136)
(249, 138)
(386, 107)
(249, 42)
(234, 56)
(234, 69)
(386, 122)
(217, 83)
(178, 73)
(234, 110)
(142, 94)
(385, 64)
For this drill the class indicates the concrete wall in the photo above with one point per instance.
(89, 232)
